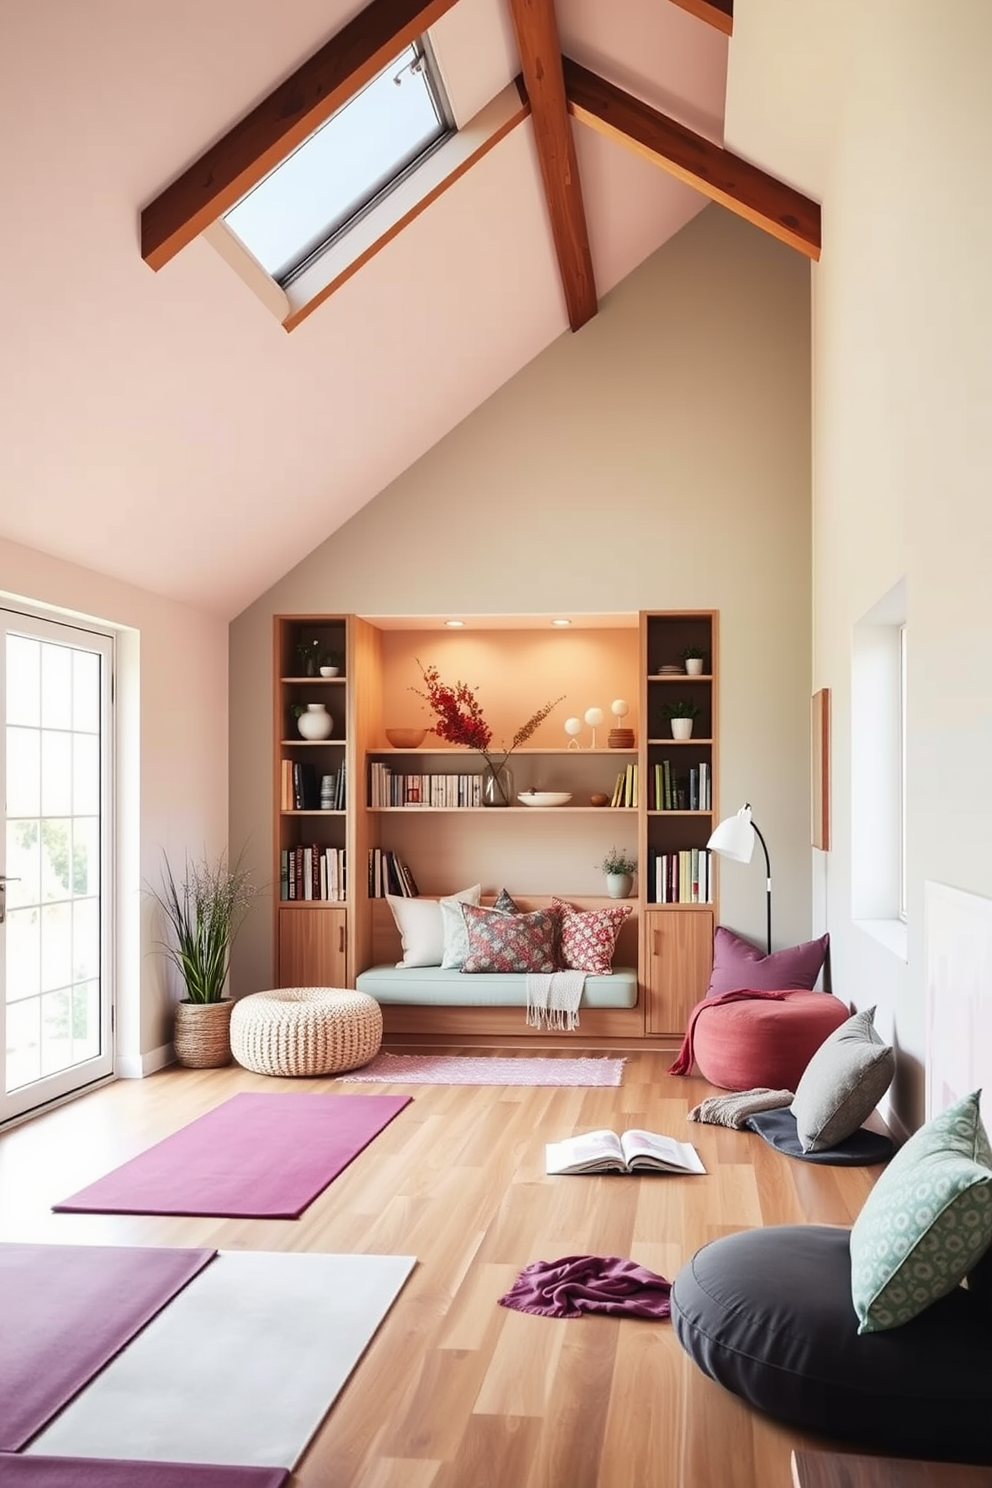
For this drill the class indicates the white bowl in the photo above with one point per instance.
(544, 798)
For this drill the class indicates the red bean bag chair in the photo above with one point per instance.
(743, 1039)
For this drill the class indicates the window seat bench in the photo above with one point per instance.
(431, 986)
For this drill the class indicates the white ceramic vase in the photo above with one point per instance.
(316, 722)
(619, 885)
(681, 728)
(694, 666)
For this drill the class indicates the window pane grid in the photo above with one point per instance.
(53, 926)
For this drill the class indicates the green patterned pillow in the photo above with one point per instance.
(926, 1222)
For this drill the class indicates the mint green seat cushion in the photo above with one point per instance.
(927, 1221)
(431, 986)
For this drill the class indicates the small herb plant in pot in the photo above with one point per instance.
(619, 868)
(693, 659)
(681, 714)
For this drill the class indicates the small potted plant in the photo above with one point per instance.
(309, 654)
(619, 868)
(693, 658)
(331, 663)
(681, 714)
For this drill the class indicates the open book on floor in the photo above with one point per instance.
(632, 1151)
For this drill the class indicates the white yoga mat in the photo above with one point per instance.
(240, 1368)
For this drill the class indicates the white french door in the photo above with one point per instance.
(56, 982)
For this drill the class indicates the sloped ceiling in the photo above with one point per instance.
(162, 427)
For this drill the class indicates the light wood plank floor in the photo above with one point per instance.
(455, 1391)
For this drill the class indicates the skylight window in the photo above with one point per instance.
(354, 159)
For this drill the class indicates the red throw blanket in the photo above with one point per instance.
(683, 1064)
(578, 1284)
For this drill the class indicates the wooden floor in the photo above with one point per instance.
(456, 1391)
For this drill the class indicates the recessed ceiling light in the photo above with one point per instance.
(561, 622)
(454, 624)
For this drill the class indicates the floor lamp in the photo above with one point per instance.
(734, 838)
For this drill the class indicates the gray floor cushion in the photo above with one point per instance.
(768, 1314)
(778, 1128)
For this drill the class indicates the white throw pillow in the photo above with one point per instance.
(421, 926)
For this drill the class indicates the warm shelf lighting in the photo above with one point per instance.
(454, 624)
(561, 622)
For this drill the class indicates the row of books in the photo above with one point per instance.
(302, 789)
(626, 788)
(686, 792)
(683, 877)
(313, 872)
(389, 787)
(389, 874)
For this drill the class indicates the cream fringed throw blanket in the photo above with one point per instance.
(734, 1110)
(553, 998)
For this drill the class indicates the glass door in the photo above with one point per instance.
(56, 988)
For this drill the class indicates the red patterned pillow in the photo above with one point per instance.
(510, 942)
(588, 937)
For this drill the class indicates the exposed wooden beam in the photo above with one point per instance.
(718, 13)
(540, 60)
(280, 122)
(774, 207)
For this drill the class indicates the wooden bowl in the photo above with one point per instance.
(599, 800)
(406, 738)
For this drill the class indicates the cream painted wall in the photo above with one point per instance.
(658, 459)
(903, 465)
(171, 762)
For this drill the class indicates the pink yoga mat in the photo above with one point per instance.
(65, 1310)
(104, 1472)
(254, 1157)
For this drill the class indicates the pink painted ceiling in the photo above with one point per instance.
(163, 428)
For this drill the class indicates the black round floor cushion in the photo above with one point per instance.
(768, 1314)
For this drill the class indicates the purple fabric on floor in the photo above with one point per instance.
(254, 1157)
(65, 1310)
(103, 1472)
(578, 1284)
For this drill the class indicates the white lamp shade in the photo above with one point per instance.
(734, 837)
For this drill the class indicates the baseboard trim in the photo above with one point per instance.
(137, 1066)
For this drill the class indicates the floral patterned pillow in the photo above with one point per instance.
(588, 937)
(510, 942)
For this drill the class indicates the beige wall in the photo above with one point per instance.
(171, 762)
(658, 459)
(903, 470)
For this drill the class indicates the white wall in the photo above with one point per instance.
(657, 459)
(903, 465)
(172, 762)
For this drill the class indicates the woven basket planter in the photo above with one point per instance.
(202, 1033)
(305, 1030)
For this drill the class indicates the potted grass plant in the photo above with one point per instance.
(204, 910)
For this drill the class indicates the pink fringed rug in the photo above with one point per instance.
(461, 1069)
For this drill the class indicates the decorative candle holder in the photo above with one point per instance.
(573, 726)
(594, 717)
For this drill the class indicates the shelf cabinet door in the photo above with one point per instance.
(313, 947)
(678, 958)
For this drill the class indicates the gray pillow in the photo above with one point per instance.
(842, 1084)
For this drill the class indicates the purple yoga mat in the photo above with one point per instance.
(104, 1472)
(65, 1310)
(254, 1157)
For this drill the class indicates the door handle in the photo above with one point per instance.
(3, 902)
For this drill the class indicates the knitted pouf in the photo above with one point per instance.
(305, 1031)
